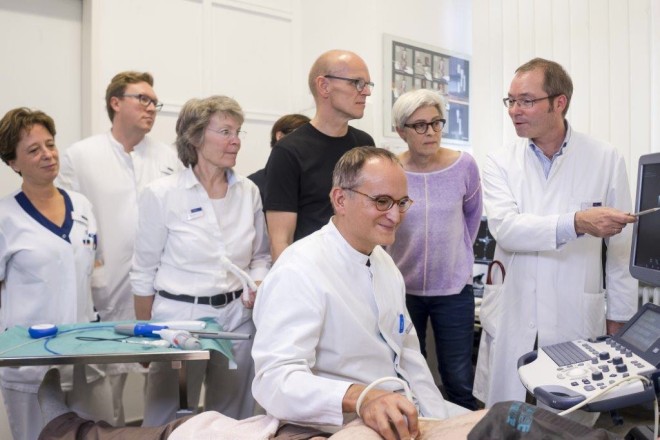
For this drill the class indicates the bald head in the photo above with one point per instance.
(333, 62)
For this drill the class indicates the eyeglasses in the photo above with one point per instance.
(423, 127)
(359, 84)
(226, 133)
(524, 103)
(385, 203)
(144, 100)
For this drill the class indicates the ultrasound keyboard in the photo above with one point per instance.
(563, 375)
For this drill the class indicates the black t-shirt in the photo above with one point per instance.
(299, 174)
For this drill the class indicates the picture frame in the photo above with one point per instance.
(410, 65)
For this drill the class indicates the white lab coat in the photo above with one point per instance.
(324, 321)
(46, 279)
(554, 291)
(112, 179)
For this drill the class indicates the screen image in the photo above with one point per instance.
(644, 332)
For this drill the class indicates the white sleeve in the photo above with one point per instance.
(289, 319)
(150, 241)
(261, 259)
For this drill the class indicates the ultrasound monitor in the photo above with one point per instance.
(645, 250)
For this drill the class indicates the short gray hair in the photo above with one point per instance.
(194, 117)
(409, 102)
(347, 172)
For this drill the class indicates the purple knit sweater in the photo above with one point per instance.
(433, 246)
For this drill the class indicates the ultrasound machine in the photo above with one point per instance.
(611, 372)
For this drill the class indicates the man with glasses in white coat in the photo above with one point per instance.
(111, 169)
(551, 200)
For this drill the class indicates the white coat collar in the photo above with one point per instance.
(349, 251)
(120, 148)
(190, 180)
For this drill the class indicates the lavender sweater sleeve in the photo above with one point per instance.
(433, 247)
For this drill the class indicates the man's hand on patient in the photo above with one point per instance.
(601, 222)
(389, 414)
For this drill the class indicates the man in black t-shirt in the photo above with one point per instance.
(299, 169)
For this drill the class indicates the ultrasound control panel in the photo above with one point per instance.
(565, 374)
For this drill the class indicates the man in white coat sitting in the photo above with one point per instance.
(331, 315)
(551, 200)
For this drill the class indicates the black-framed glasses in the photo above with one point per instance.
(226, 133)
(144, 100)
(359, 83)
(525, 103)
(422, 127)
(385, 203)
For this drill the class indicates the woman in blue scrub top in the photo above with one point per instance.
(47, 253)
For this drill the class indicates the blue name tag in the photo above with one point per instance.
(195, 213)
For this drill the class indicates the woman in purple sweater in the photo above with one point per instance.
(433, 247)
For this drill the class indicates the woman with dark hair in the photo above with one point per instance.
(47, 253)
(201, 243)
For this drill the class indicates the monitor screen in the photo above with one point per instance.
(644, 331)
(645, 252)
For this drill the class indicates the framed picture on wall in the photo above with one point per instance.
(410, 65)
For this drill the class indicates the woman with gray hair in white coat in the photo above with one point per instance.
(201, 233)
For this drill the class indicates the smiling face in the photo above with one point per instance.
(358, 220)
(544, 117)
(37, 158)
(130, 114)
(220, 144)
(422, 145)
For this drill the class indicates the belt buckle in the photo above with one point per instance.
(226, 301)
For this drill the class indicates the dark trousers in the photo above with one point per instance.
(452, 320)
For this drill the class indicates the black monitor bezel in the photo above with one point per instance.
(643, 274)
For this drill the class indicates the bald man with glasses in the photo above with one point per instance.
(299, 169)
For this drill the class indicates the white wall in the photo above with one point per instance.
(40, 49)
(610, 48)
(195, 48)
(360, 25)
(257, 51)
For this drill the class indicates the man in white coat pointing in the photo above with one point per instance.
(551, 200)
